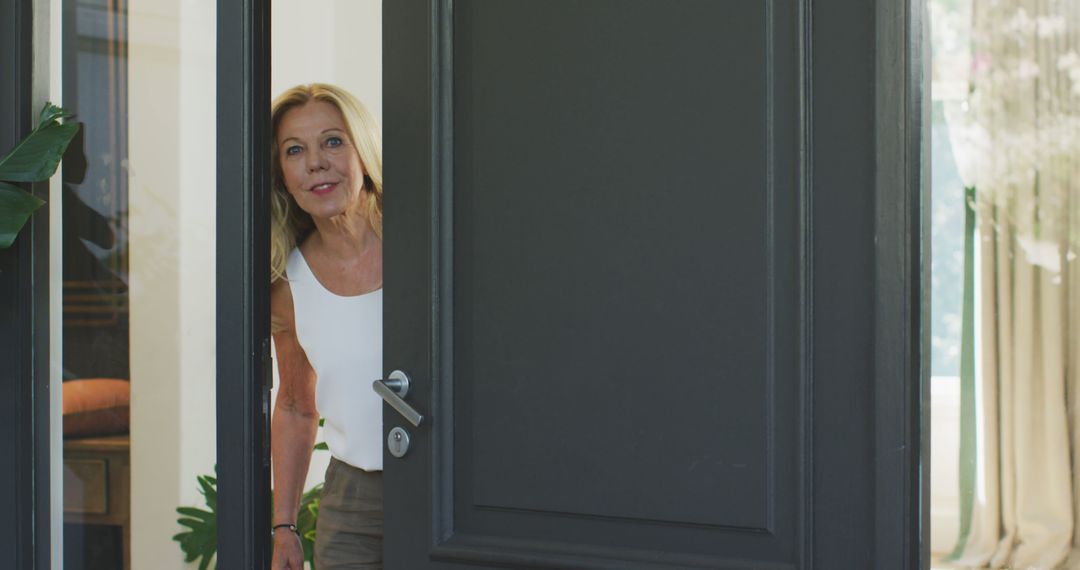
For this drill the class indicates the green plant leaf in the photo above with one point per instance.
(200, 543)
(321, 446)
(16, 205)
(193, 524)
(306, 520)
(36, 157)
(208, 488)
(50, 113)
(196, 513)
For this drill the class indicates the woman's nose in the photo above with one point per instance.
(316, 160)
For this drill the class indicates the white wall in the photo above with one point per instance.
(171, 129)
(327, 41)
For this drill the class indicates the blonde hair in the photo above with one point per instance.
(289, 224)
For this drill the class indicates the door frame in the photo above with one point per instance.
(24, 321)
(243, 360)
(901, 312)
(244, 365)
(243, 272)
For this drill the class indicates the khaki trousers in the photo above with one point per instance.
(349, 530)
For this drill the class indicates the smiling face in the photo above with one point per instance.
(319, 164)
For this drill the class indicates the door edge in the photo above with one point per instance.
(902, 294)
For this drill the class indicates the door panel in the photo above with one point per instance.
(615, 272)
(600, 227)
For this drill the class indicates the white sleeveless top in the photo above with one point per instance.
(342, 337)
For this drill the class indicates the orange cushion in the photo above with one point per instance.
(96, 406)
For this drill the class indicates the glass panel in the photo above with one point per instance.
(950, 45)
(138, 288)
(1005, 296)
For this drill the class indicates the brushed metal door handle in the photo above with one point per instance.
(393, 390)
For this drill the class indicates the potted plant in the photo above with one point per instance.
(199, 540)
(34, 159)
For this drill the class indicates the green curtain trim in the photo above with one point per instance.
(967, 379)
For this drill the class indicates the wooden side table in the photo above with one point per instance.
(97, 485)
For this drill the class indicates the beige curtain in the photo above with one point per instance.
(1022, 143)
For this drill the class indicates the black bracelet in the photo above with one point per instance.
(290, 526)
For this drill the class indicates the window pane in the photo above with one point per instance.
(138, 277)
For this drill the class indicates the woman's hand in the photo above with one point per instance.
(288, 552)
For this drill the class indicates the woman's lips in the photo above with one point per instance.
(324, 188)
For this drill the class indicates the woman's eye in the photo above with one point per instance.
(294, 149)
(333, 142)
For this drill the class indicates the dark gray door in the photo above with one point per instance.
(630, 269)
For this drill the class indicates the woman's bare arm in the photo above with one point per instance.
(295, 418)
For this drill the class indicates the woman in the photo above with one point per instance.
(326, 310)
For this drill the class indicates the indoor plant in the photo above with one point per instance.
(34, 159)
(199, 541)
